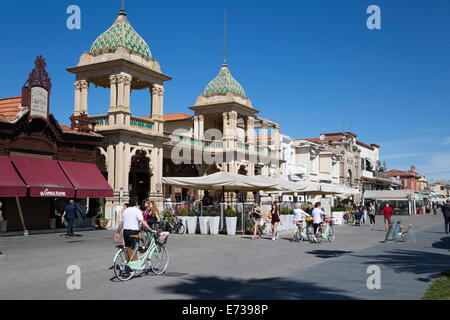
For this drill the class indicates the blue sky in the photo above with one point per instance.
(311, 65)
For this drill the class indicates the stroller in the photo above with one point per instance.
(359, 219)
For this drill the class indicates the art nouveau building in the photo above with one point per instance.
(137, 151)
(121, 61)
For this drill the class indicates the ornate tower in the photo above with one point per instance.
(120, 60)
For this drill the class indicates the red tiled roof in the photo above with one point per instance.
(319, 140)
(173, 117)
(371, 147)
(67, 129)
(340, 134)
(10, 108)
(396, 172)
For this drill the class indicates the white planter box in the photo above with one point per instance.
(290, 222)
(268, 228)
(52, 223)
(4, 226)
(284, 223)
(231, 225)
(338, 218)
(93, 221)
(191, 224)
(214, 224)
(204, 225)
(184, 220)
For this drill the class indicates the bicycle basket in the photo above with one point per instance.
(162, 238)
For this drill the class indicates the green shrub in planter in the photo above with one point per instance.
(231, 213)
(214, 213)
(285, 212)
(338, 210)
(191, 213)
(184, 212)
(204, 213)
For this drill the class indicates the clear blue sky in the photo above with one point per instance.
(311, 65)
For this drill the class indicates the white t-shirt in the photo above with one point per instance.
(131, 219)
(299, 214)
(317, 215)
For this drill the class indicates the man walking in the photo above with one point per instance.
(446, 211)
(70, 213)
(387, 212)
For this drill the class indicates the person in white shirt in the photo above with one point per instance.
(299, 214)
(132, 220)
(318, 216)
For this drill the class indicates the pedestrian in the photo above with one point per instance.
(153, 217)
(131, 223)
(387, 212)
(70, 213)
(446, 211)
(435, 207)
(317, 215)
(299, 214)
(371, 212)
(257, 220)
(275, 217)
(310, 208)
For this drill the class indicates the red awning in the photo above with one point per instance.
(44, 177)
(10, 183)
(87, 180)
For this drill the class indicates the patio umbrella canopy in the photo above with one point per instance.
(224, 181)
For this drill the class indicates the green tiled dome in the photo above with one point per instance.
(121, 34)
(223, 84)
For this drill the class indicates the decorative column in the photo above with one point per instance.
(111, 166)
(196, 128)
(264, 135)
(157, 107)
(156, 165)
(126, 165)
(113, 93)
(120, 92)
(84, 96)
(77, 104)
(250, 131)
(127, 93)
(225, 127)
(201, 134)
(119, 168)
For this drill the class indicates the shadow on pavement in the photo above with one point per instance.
(443, 244)
(327, 254)
(215, 288)
(416, 262)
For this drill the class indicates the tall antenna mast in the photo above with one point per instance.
(225, 44)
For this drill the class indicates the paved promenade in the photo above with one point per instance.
(222, 267)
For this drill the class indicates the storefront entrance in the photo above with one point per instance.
(140, 177)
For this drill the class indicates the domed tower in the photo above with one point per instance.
(121, 60)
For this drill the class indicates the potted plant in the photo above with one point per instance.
(191, 220)
(183, 215)
(204, 219)
(102, 222)
(231, 221)
(214, 222)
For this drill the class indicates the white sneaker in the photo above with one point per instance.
(273, 239)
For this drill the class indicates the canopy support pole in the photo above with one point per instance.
(19, 207)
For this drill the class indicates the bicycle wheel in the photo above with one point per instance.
(331, 234)
(122, 271)
(181, 228)
(159, 260)
(310, 233)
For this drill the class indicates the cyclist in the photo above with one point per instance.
(299, 214)
(318, 215)
(132, 220)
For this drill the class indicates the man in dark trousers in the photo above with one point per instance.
(446, 211)
(70, 213)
